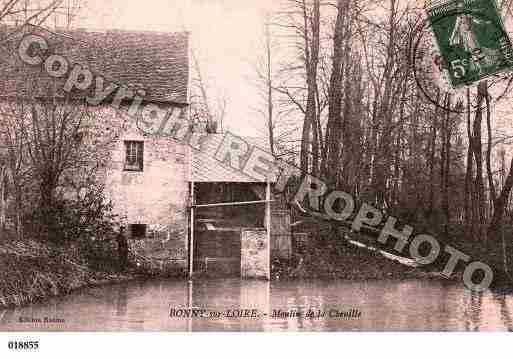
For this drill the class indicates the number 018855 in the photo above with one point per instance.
(21, 345)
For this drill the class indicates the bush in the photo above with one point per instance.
(87, 216)
(84, 223)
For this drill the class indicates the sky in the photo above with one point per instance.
(224, 34)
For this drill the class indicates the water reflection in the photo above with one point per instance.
(122, 300)
(504, 310)
(413, 305)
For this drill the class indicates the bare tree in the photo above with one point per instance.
(20, 13)
(205, 107)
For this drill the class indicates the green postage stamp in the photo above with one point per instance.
(471, 38)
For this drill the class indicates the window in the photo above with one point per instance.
(134, 155)
(79, 138)
(137, 231)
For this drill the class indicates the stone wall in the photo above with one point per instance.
(157, 196)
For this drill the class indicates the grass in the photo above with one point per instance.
(32, 271)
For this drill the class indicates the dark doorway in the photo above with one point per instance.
(217, 229)
(137, 231)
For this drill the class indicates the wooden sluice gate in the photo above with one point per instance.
(237, 237)
(239, 250)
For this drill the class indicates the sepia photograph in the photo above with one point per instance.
(214, 166)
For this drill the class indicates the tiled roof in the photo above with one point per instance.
(155, 62)
(206, 168)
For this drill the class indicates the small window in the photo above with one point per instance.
(138, 231)
(134, 155)
(79, 138)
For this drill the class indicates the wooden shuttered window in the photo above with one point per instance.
(134, 158)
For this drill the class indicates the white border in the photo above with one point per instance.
(260, 345)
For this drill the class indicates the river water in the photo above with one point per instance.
(373, 305)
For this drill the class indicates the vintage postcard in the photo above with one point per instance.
(255, 166)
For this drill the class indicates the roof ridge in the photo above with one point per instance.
(117, 31)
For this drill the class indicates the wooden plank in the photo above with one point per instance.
(300, 241)
(282, 247)
(268, 225)
(231, 204)
(191, 246)
(281, 241)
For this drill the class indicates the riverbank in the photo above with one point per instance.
(32, 271)
(334, 252)
(327, 256)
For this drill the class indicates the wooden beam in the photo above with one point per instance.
(191, 243)
(231, 204)
(268, 226)
(189, 305)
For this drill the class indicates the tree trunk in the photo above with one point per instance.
(432, 159)
(491, 184)
(469, 185)
(478, 155)
(312, 47)
(270, 118)
(334, 125)
(500, 203)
